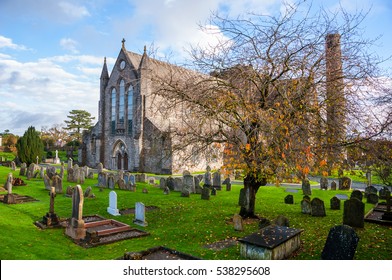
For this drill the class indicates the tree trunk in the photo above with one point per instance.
(251, 186)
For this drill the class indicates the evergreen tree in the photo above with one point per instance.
(78, 121)
(30, 146)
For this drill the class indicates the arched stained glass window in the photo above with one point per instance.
(130, 108)
(113, 119)
(121, 105)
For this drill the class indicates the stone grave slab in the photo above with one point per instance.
(158, 253)
(17, 198)
(376, 214)
(270, 243)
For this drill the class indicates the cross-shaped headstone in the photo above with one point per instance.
(52, 195)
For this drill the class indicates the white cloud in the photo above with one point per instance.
(69, 45)
(7, 43)
(73, 11)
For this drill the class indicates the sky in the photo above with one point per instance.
(52, 52)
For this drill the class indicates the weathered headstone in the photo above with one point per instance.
(70, 174)
(369, 190)
(99, 168)
(87, 192)
(353, 213)
(140, 214)
(289, 199)
(317, 207)
(51, 218)
(372, 198)
(383, 193)
(166, 190)
(216, 180)
(143, 178)
(324, 183)
(205, 193)
(198, 188)
(188, 183)
(132, 180)
(69, 191)
(170, 183)
(333, 185)
(110, 182)
(178, 184)
(76, 228)
(112, 209)
(22, 171)
(227, 182)
(207, 178)
(238, 223)
(121, 184)
(335, 203)
(47, 182)
(151, 180)
(306, 187)
(356, 194)
(13, 166)
(162, 183)
(305, 206)
(281, 221)
(341, 244)
(345, 183)
(57, 182)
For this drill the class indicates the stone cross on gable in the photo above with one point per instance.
(123, 43)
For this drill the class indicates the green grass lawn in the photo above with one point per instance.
(184, 224)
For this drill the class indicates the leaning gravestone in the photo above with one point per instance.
(353, 213)
(289, 199)
(335, 203)
(306, 187)
(305, 206)
(356, 194)
(76, 228)
(238, 223)
(140, 214)
(324, 183)
(317, 207)
(344, 183)
(341, 244)
(112, 209)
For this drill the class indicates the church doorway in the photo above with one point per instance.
(120, 156)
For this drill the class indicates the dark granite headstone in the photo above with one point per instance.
(384, 193)
(170, 183)
(289, 199)
(353, 213)
(357, 194)
(317, 206)
(369, 190)
(372, 198)
(205, 193)
(333, 185)
(335, 203)
(341, 244)
(344, 183)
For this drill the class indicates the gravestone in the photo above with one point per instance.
(132, 180)
(324, 183)
(317, 207)
(76, 228)
(126, 178)
(383, 193)
(170, 183)
(162, 183)
(140, 214)
(51, 218)
(13, 166)
(345, 183)
(227, 182)
(69, 191)
(188, 184)
(112, 209)
(369, 190)
(22, 171)
(238, 223)
(387, 216)
(216, 181)
(178, 184)
(213, 191)
(62, 171)
(88, 193)
(281, 221)
(143, 178)
(99, 168)
(305, 206)
(9, 198)
(306, 187)
(110, 182)
(42, 172)
(289, 199)
(372, 198)
(70, 174)
(151, 180)
(57, 182)
(198, 188)
(341, 243)
(356, 194)
(69, 163)
(333, 185)
(335, 203)
(207, 178)
(121, 184)
(353, 213)
(166, 190)
(102, 180)
(47, 182)
(50, 171)
(205, 193)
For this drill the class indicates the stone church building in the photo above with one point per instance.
(131, 132)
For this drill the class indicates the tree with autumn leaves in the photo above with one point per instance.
(263, 93)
